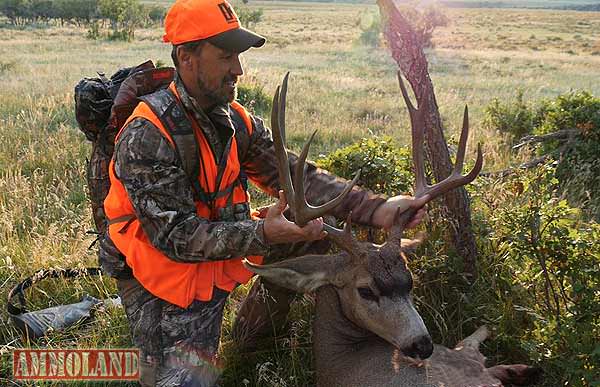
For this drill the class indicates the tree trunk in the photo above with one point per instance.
(407, 50)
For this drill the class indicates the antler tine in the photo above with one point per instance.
(409, 104)
(462, 142)
(456, 178)
(302, 211)
(285, 180)
(417, 131)
(282, 104)
(344, 238)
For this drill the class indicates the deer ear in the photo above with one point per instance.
(302, 274)
(409, 246)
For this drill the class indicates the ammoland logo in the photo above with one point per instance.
(76, 364)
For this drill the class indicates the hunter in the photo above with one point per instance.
(183, 239)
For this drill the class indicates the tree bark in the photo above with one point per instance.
(407, 50)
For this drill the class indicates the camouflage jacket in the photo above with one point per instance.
(159, 189)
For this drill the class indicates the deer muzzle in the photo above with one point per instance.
(422, 348)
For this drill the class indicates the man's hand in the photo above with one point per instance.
(278, 229)
(383, 217)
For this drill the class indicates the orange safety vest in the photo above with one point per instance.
(179, 283)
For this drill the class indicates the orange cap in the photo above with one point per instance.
(214, 20)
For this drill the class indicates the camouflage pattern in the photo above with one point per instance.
(177, 346)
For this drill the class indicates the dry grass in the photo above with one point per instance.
(344, 90)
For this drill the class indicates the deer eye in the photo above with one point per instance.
(368, 294)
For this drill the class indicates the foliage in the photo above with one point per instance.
(370, 35)
(156, 13)
(254, 98)
(21, 12)
(516, 118)
(579, 166)
(385, 167)
(551, 268)
(249, 17)
(425, 21)
(124, 16)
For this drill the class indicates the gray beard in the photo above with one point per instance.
(219, 99)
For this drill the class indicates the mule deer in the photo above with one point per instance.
(366, 330)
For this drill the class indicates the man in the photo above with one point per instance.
(182, 234)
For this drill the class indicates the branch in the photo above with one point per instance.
(564, 135)
(528, 165)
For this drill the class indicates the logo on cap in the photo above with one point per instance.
(227, 12)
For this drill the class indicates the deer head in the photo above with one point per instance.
(372, 281)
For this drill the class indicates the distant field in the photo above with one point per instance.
(520, 3)
(345, 90)
(547, 4)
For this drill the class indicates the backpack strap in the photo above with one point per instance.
(171, 114)
(242, 136)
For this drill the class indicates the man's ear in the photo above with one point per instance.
(302, 274)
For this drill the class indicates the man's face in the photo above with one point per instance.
(212, 75)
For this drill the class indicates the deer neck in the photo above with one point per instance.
(333, 327)
(334, 335)
(346, 354)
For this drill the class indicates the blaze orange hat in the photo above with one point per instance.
(213, 20)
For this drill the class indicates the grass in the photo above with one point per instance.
(345, 90)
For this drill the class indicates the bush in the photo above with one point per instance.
(549, 269)
(124, 15)
(156, 13)
(249, 18)
(516, 118)
(254, 98)
(21, 12)
(370, 26)
(578, 168)
(385, 167)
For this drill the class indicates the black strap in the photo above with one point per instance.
(171, 114)
(19, 290)
(242, 136)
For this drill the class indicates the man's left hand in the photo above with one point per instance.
(383, 217)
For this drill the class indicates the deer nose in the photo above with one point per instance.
(421, 348)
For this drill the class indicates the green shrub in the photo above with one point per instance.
(124, 16)
(370, 35)
(539, 280)
(515, 118)
(385, 167)
(579, 165)
(551, 270)
(249, 18)
(254, 98)
(156, 13)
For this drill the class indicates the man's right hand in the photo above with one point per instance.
(278, 229)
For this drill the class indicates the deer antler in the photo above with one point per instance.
(456, 178)
(294, 188)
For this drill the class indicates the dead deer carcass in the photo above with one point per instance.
(366, 330)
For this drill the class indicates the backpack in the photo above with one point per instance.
(102, 105)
